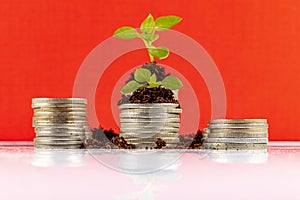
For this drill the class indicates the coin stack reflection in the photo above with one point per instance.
(142, 124)
(59, 122)
(239, 134)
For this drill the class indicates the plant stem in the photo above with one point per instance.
(148, 44)
(151, 58)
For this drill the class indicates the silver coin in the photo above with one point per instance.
(47, 131)
(60, 100)
(153, 110)
(54, 109)
(167, 134)
(60, 126)
(59, 121)
(148, 105)
(68, 138)
(143, 135)
(58, 131)
(238, 135)
(56, 142)
(227, 146)
(46, 146)
(148, 116)
(146, 136)
(238, 121)
(239, 130)
(59, 113)
(221, 126)
(150, 125)
(135, 120)
(170, 139)
(137, 140)
(61, 129)
(237, 140)
(61, 118)
(146, 130)
(59, 105)
(61, 135)
(35, 124)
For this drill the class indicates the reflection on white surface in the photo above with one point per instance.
(194, 175)
(241, 156)
(59, 157)
(137, 161)
(151, 182)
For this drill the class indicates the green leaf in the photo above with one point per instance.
(166, 22)
(147, 26)
(172, 83)
(153, 78)
(142, 75)
(152, 85)
(159, 52)
(150, 37)
(131, 86)
(126, 33)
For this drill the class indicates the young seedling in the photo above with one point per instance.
(144, 78)
(148, 29)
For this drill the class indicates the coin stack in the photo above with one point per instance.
(239, 134)
(59, 122)
(142, 124)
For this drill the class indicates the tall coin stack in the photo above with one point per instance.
(142, 124)
(239, 134)
(59, 122)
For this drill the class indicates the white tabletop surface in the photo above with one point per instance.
(28, 173)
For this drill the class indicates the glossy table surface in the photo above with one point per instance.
(28, 173)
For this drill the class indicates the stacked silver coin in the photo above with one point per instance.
(142, 124)
(240, 134)
(59, 122)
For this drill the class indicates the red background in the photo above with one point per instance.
(254, 43)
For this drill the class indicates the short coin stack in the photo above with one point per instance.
(59, 122)
(240, 134)
(142, 124)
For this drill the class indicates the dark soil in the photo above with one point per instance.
(160, 144)
(108, 139)
(191, 141)
(153, 95)
(154, 68)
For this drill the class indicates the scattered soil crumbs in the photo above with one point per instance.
(160, 144)
(108, 139)
(190, 141)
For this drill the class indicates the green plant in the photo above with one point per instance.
(144, 78)
(148, 34)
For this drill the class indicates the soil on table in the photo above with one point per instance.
(108, 139)
(154, 68)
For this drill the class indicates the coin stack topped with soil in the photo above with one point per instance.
(143, 123)
(59, 122)
(239, 134)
